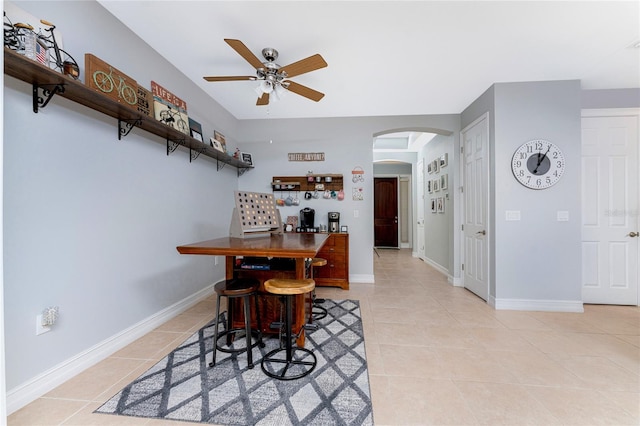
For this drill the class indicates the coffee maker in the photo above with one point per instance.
(307, 217)
(334, 222)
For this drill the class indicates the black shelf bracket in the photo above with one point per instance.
(125, 126)
(48, 90)
(218, 162)
(173, 144)
(241, 170)
(195, 153)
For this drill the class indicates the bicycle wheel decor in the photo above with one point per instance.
(110, 81)
(170, 109)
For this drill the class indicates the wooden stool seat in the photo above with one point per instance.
(244, 288)
(237, 287)
(318, 261)
(287, 286)
(296, 362)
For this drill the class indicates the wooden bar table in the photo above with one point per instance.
(294, 246)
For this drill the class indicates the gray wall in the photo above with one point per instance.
(91, 223)
(524, 254)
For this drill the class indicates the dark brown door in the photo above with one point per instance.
(385, 212)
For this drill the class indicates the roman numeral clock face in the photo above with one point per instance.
(538, 164)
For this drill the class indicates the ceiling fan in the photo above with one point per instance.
(274, 78)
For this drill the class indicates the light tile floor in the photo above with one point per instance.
(437, 354)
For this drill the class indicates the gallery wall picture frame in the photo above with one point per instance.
(440, 204)
(246, 158)
(444, 181)
(430, 186)
(444, 160)
(436, 165)
(433, 205)
(436, 185)
(430, 167)
(195, 129)
(216, 144)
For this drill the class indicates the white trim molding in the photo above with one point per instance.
(55, 376)
(537, 305)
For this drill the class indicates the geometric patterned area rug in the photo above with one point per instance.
(183, 387)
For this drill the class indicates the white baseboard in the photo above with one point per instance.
(537, 305)
(456, 282)
(31, 390)
(437, 266)
(361, 278)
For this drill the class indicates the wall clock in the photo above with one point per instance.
(538, 164)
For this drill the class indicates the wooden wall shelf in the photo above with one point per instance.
(301, 183)
(47, 83)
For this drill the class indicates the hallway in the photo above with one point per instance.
(437, 354)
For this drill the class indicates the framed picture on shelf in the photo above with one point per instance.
(195, 129)
(216, 144)
(220, 138)
(246, 158)
(344, 228)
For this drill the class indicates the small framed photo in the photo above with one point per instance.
(444, 160)
(436, 185)
(216, 144)
(429, 186)
(430, 167)
(220, 138)
(344, 228)
(444, 181)
(246, 158)
(436, 165)
(433, 205)
(195, 129)
(440, 204)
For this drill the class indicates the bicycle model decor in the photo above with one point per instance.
(39, 47)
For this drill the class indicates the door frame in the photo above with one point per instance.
(485, 116)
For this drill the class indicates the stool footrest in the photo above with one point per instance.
(291, 368)
(255, 333)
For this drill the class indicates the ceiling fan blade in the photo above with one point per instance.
(311, 63)
(231, 78)
(263, 100)
(244, 51)
(305, 91)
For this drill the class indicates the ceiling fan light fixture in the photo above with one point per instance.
(279, 92)
(265, 86)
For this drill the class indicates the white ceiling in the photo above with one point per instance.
(395, 57)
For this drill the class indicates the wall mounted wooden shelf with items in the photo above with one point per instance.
(320, 182)
(46, 83)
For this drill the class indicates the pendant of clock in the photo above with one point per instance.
(538, 164)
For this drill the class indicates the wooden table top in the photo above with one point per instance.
(290, 245)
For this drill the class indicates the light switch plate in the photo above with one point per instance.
(512, 215)
(563, 216)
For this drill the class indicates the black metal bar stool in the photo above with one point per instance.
(292, 367)
(317, 312)
(246, 288)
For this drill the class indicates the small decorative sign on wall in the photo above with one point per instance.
(306, 156)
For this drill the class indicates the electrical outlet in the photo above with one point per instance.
(41, 329)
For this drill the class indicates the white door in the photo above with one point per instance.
(475, 233)
(610, 193)
(420, 211)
